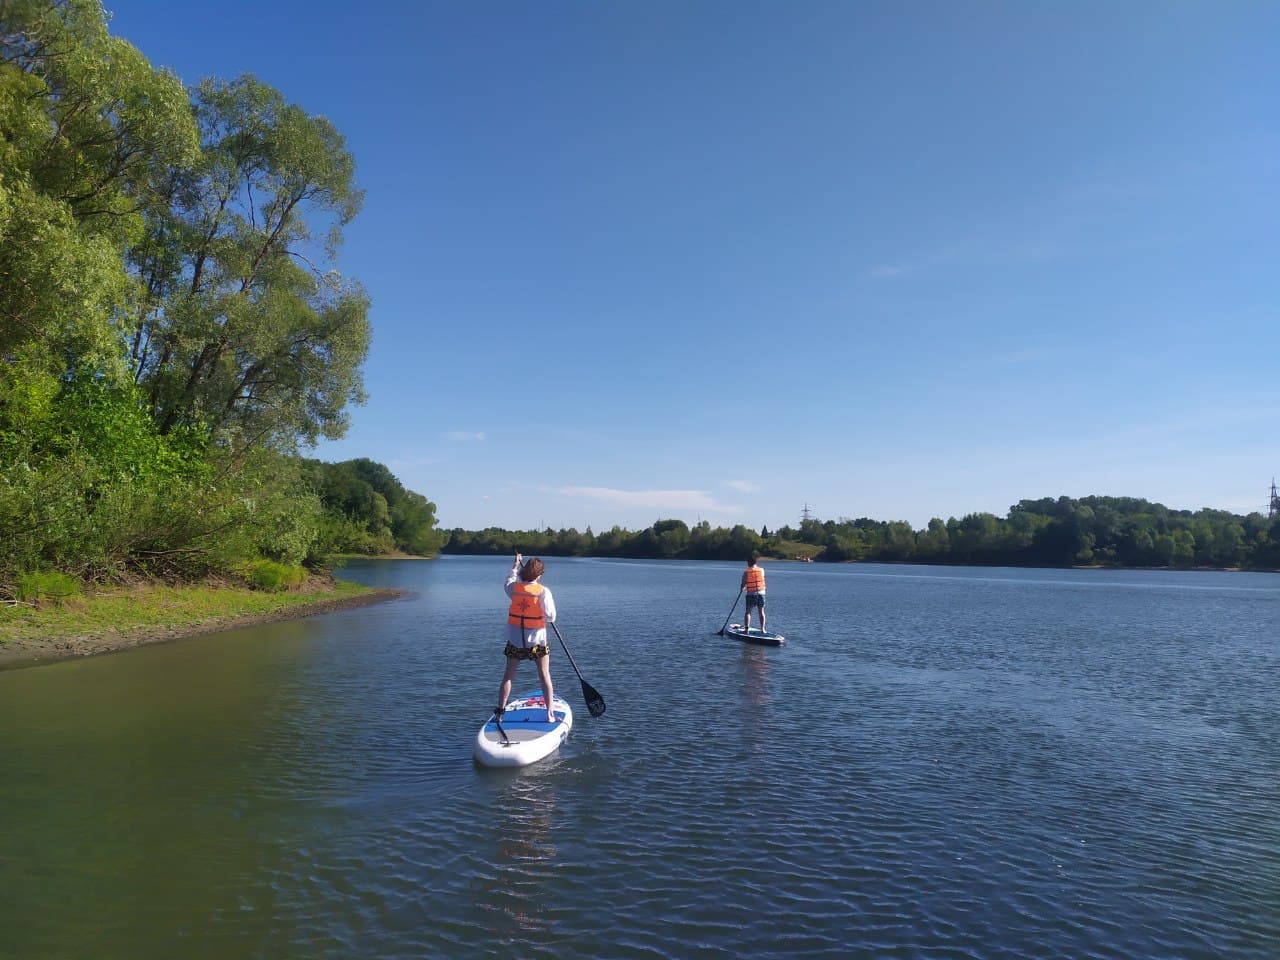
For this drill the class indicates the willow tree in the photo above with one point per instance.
(86, 124)
(247, 329)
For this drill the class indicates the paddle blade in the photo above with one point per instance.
(595, 702)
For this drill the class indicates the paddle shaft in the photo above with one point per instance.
(595, 702)
(731, 609)
(497, 722)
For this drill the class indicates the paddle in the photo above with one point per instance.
(731, 609)
(595, 702)
(497, 722)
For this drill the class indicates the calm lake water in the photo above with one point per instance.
(943, 763)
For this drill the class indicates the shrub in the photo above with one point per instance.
(46, 585)
(273, 577)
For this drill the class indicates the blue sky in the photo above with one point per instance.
(718, 260)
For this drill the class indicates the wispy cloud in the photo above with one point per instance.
(462, 436)
(652, 499)
(1061, 223)
(742, 486)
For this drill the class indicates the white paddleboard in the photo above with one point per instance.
(529, 736)
(754, 635)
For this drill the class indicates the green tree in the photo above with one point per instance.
(413, 523)
(933, 543)
(1184, 548)
(899, 541)
(974, 538)
(247, 328)
(370, 511)
(85, 124)
(207, 274)
(1229, 546)
(672, 537)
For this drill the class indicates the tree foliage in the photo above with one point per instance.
(368, 511)
(85, 124)
(245, 328)
(173, 326)
(1107, 531)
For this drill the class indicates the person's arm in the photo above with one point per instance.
(743, 584)
(548, 605)
(513, 574)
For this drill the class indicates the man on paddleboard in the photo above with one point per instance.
(532, 607)
(753, 583)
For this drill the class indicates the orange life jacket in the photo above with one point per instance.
(526, 611)
(755, 580)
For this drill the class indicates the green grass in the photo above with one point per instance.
(792, 550)
(126, 609)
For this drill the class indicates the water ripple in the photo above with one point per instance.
(941, 764)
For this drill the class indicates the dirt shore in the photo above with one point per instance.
(27, 652)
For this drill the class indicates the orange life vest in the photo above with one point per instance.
(526, 611)
(755, 580)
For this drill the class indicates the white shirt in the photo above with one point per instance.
(530, 638)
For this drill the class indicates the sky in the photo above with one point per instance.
(725, 260)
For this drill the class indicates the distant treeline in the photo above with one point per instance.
(1106, 531)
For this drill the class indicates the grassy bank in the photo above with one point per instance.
(120, 617)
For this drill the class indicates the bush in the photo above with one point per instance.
(92, 488)
(274, 577)
(46, 585)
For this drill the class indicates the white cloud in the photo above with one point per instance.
(463, 435)
(742, 486)
(651, 499)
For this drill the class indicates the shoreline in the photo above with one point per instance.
(765, 558)
(36, 651)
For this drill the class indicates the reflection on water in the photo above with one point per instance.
(517, 894)
(755, 688)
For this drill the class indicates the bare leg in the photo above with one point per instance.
(746, 617)
(762, 629)
(504, 691)
(544, 673)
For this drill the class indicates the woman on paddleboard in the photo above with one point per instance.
(532, 607)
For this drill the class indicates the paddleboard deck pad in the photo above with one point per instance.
(529, 736)
(754, 635)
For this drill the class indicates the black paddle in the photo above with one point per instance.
(497, 722)
(731, 609)
(595, 702)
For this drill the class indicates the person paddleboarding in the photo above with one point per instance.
(753, 584)
(532, 608)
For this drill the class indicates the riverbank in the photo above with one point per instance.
(123, 617)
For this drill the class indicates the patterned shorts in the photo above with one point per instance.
(512, 652)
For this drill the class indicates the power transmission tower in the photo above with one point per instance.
(805, 515)
(1273, 509)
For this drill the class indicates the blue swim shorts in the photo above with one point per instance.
(755, 600)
